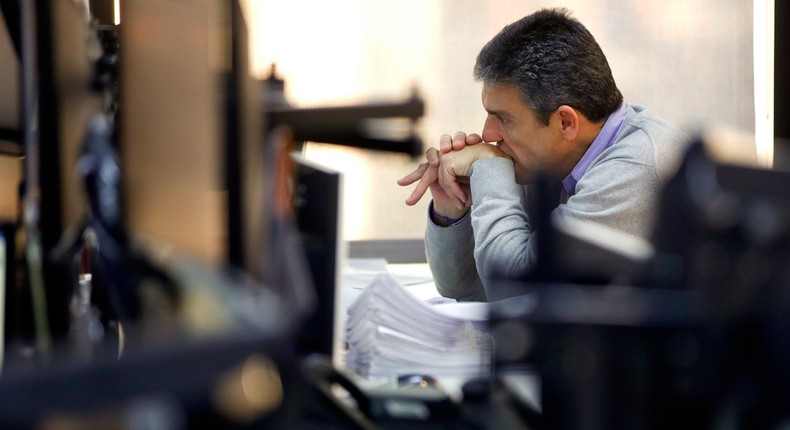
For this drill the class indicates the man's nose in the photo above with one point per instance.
(491, 131)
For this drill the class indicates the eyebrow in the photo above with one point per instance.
(499, 113)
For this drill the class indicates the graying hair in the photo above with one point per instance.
(553, 60)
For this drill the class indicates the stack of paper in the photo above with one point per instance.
(390, 332)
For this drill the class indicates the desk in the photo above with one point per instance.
(360, 272)
(416, 278)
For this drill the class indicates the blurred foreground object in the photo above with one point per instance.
(699, 340)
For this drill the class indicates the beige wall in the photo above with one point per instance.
(688, 61)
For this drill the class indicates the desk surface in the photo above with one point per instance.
(360, 272)
(416, 278)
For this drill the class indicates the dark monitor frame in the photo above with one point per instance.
(781, 70)
(244, 148)
(317, 194)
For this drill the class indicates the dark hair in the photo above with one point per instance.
(554, 60)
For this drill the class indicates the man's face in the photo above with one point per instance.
(516, 130)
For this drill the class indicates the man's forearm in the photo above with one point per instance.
(450, 252)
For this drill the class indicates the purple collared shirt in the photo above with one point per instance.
(605, 139)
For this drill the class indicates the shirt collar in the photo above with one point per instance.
(606, 137)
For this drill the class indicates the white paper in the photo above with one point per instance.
(390, 332)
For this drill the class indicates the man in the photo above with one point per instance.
(553, 109)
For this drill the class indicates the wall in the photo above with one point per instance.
(688, 61)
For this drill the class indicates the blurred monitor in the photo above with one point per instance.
(10, 135)
(57, 107)
(781, 94)
(57, 104)
(190, 128)
(103, 11)
(245, 178)
(318, 205)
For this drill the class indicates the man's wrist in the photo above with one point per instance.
(447, 218)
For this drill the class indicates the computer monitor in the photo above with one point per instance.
(170, 126)
(10, 165)
(781, 96)
(317, 195)
(57, 104)
(191, 130)
(245, 176)
(103, 11)
(10, 134)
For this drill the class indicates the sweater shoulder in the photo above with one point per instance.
(648, 140)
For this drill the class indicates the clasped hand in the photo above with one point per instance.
(446, 173)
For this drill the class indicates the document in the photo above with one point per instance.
(391, 332)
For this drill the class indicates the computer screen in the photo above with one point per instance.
(317, 195)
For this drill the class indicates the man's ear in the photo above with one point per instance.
(569, 122)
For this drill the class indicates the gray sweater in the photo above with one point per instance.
(619, 189)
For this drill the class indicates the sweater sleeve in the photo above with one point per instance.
(450, 253)
(504, 239)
